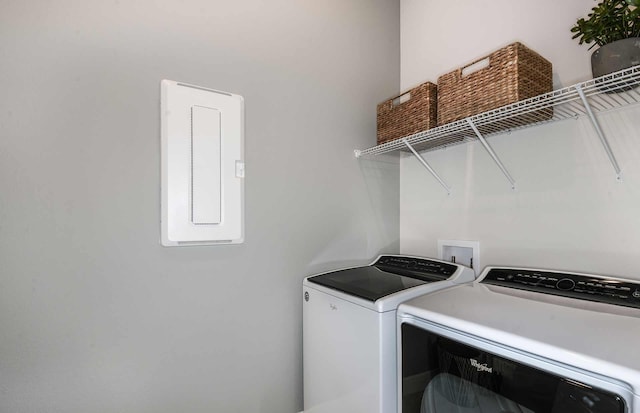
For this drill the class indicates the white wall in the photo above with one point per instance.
(438, 36)
(568, 211)
(95, 315)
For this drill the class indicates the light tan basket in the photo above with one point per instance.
(411, 112)
(508, 75)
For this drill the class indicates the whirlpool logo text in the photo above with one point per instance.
(481, 367)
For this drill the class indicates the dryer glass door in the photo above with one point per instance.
(440, 375)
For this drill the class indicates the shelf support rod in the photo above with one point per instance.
(426, 165)
(603, 138)
(492, 153)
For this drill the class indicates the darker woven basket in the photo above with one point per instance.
(513, 73)
(397, 117)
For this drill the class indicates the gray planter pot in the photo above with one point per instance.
(615, 56)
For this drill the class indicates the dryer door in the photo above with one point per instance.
(441, 375)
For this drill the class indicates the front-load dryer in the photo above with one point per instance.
(521, 340)
(349, 324)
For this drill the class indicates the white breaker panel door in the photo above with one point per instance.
(202, 166)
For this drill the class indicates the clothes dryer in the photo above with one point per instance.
(522, 340)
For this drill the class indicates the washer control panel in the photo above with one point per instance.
(584, 287)
(415, 266)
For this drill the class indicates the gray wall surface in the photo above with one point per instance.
(95, 315)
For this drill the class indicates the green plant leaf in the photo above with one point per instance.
(608, 21)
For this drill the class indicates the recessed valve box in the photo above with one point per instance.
(461, 252)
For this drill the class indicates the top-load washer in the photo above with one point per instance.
(522, 340)
(349, 324)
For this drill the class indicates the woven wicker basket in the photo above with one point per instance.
(513, 73)
(411, 112)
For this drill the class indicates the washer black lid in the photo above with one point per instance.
(388, 275)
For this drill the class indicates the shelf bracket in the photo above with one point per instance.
(492, 153)
(426, 165)
(603, 138)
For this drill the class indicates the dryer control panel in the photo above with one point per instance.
(581, 286)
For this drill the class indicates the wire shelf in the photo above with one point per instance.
(602, 94)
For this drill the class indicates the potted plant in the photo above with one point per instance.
(614, 25)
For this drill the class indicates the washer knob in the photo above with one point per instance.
(565, 284)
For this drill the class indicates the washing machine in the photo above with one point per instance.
(349, 330)
(522, 340)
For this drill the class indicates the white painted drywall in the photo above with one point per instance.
(439, 36)
(95, 315)
(568, 211)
